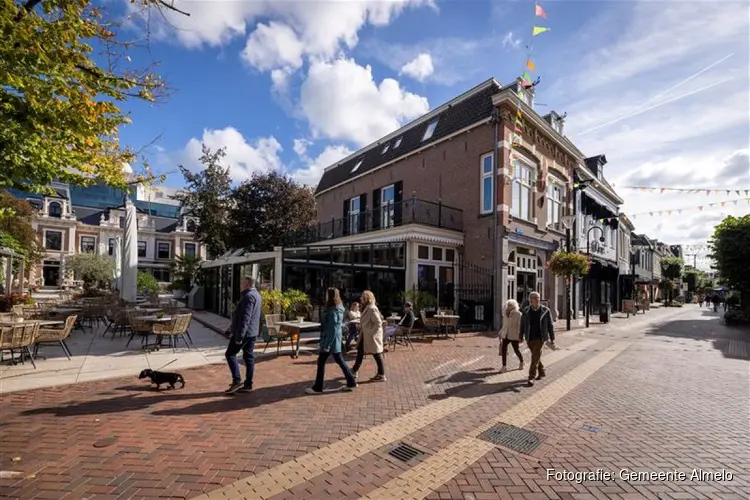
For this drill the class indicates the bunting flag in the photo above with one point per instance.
(708, 191)
(526, 81)
(678, 210)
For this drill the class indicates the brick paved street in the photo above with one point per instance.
(662, 391)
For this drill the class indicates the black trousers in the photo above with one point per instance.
(504, 350)
(361, 356)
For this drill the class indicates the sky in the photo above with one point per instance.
(659, 87)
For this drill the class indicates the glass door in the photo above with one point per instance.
(354, 207)
(387, 213)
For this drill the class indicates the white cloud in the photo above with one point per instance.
(300, 146)
(313, 168)
(341, 101)
(272, 46)
(510, 41)
(419, 68)
(242, 157)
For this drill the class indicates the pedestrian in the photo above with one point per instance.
(371, 336)
(537, 328)
(330, 343)
(510, 333)
(715, 300)
(352, 324)
(243, 333)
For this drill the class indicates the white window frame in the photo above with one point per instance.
(156, 250)
(397, 143)
(62, 242)
(111, 243)
(385, 148)
(483, 176)
(185, 245)
(354, 214)
(356, 167)
(145, 248)
(49, 212)
(80, 242)
(430, 130)
(387, 209)
(524, 186)
(552, 203)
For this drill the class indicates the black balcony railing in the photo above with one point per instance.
(411, 211)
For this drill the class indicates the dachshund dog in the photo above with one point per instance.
(158, 378)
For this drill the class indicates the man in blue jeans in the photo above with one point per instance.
(243, 334)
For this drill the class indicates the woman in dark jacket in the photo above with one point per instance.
(330, 342)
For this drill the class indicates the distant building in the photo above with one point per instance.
(75, 219)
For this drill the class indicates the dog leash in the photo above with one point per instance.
(164, 366)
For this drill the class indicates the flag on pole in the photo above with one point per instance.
(538, 30)
(539, 11)
(530, 65)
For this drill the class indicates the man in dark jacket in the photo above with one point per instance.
(243, 333)
(537, 328)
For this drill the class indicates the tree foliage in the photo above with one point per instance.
(96, 271)
(671, 268)
(185, 269)
(65, 71)
(206, 196)
(730, 247)
(147, 283)
(266, 208)
(16, 231)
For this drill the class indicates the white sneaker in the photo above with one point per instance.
(503, 369)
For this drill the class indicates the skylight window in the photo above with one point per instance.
(430, 130)
(385, 148)
(356, 167)
(397, 143)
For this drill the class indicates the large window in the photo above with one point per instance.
(522, 179)
(190, 250)
(54, 209)
(53, 240)
(354, 208)
(486, 186)
(141, 249)
(88, 244)
(554, 204)
(163, 250)
(387, 200)
(111, 250)
(162, 275)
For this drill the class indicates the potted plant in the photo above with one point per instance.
(297, 304)
(569, 264)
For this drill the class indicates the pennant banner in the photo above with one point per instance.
(538, 30)
(539, 11)
(717, 191)
(679, 210)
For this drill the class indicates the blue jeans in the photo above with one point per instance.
(247, 347)
(339, 359)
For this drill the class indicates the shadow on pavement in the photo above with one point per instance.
(473, 385)
(731, 342)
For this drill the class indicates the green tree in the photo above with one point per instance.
(16, 231)
(730, 250)
(266, 208)
(147, 283)
(185, 270)
(671, 271)
(205, 196)
(96, 271)
(65, 72)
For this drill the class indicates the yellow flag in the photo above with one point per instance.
(538, 30)
(530, 65)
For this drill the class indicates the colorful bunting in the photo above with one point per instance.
(689, 190)
(538, 30)
(530, 65)
(679, 210)
(539, 11)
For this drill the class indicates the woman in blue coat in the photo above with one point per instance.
(330, 342)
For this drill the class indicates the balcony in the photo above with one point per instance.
(412, 211)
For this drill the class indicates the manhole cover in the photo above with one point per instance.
(592, 428)
(513, 438)
(103, 443)
(405, 452)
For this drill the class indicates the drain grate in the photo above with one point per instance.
(513, 438)
(592, 428)
(405, 452)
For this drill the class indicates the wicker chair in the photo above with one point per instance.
(276, 332)
(430, 324)
(118, 321)
(19, 338)
(176, 329)
(52, 336)
(138, 327)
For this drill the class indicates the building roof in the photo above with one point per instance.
(459, 113)
(90, 216)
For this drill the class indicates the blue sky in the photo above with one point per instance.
(661, 87)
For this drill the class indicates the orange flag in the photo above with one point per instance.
(540, 12)
(530, 65)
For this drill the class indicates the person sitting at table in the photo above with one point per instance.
(407, 321)
(352, 317)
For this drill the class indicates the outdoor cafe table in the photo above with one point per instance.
(295, 330)
(27, 321)
(444, 319)
(153, 319)
(147, 310)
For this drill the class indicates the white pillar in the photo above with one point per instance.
(129, 276)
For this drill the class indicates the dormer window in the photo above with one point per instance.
(356, 167)
(54, 209)
(430, 130)
(385, 148)
(397, 143)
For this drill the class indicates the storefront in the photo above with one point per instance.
(527, 272)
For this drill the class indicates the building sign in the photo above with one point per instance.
(597, 247)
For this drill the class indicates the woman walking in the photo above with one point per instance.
(371, 336)
(330, 343)
(352, 318)
(510, 333)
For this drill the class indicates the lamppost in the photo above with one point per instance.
(567, 221)
(588, 254)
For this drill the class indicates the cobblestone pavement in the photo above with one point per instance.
(659, 392)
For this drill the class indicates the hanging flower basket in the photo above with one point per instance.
(568, 264)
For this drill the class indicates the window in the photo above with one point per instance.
(354, 207)
(554, 204)
(190, 226)
(429, 130)
(356, 167)
(159, 194)
(423, 252)
(387, 212)
(523, 96)
(163, 250)
(450, 255)
(486, 194)
(53, 240)
(141, 249)
(385, 148)
(437, 253)
(522, 176)
(122, 222)
(88, 244)
(397, 143)
(55, 209)
(190, 250)
(111, 250)
(162, 275)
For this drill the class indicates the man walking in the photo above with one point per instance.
(243, 334)
(537, 328)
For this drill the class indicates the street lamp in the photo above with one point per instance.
(567, 221)
(588, 254)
